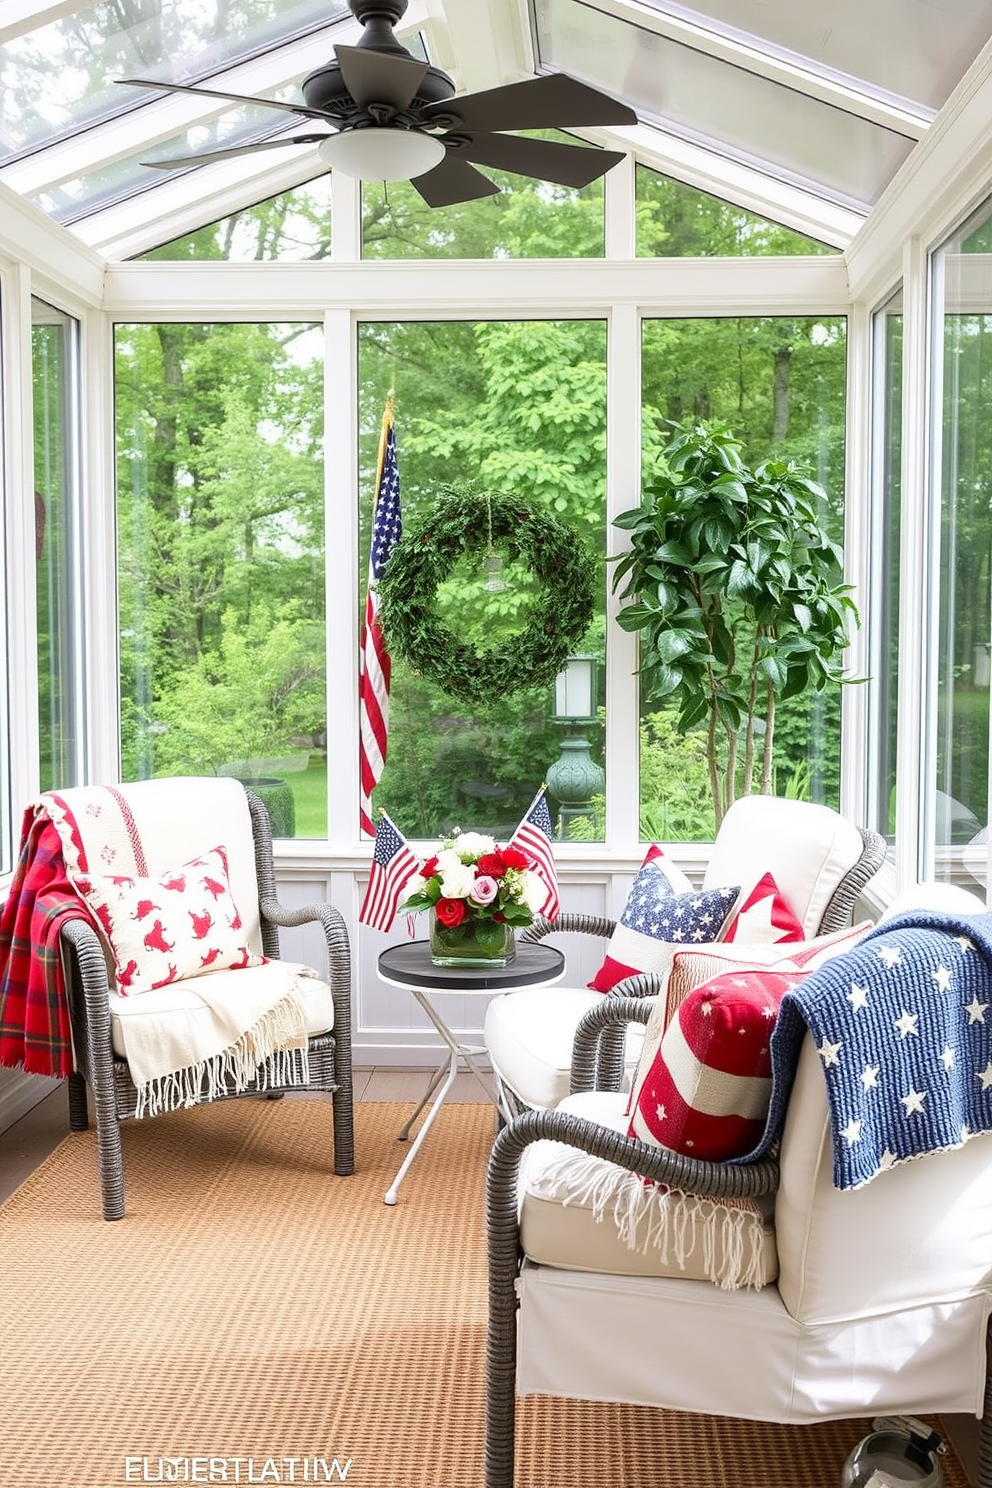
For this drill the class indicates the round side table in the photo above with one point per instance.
(410, 966)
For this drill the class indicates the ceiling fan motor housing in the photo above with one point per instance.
(326, 89)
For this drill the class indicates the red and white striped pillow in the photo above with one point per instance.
(704, 1089)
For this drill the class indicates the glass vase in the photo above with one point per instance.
(475, 942)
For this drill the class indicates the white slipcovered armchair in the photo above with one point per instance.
(820, 862)
(867, 1301)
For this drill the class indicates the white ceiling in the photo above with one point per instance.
(805, 110)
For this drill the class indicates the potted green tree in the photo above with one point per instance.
(738, 597)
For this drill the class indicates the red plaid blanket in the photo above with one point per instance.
(34, 1010)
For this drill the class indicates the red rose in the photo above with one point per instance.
(492, 865)
(450, 912)
(429, 868)
(514, 858)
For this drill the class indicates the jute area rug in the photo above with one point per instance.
(255, 1319)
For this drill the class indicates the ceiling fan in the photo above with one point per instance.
(396, 118)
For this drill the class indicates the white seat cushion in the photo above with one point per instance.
(529, 1034)
(565, 1222)
(181, 1001)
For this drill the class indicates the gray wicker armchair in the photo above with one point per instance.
(102, 1068)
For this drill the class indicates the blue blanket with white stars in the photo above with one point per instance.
(902, 1023)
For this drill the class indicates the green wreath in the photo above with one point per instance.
(425, 557)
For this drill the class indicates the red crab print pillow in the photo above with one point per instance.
(168, 929)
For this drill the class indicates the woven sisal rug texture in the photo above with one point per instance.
(255, 1319)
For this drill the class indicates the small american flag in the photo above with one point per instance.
(393, 864)
(533, 836)
(374, 662)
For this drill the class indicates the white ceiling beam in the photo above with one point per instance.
(135, 226)
(504, 289)
(777, 66)
(763, 192)
(940, 182)
(481, 43)
(18, 17)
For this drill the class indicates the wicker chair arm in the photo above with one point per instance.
(612, 1012)
(338, 953)
(586, 924)
(659, 1164)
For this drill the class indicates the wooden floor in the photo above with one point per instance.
(29, 1141)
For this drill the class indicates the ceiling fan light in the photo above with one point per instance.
(381, 154)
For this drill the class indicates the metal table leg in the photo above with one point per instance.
(458, 1052)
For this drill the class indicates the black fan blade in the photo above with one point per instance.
(209, 155)
(453, 181)
(553, 102)
(289, 108)
(378, 77)
(546, 160)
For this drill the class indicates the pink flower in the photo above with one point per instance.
(484, 890)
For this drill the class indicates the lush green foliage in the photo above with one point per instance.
(550, 556)
(738, 596)
(220, 518)
(677, 221)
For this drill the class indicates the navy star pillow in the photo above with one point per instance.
(654, 919)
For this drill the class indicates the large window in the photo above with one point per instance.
(517, 407)
(886, 493)
(5, 729)
(55, 375)
(779, 385)
(221, 559)
(962, 471)
(678, 221)
(293, 227)
(527, 219)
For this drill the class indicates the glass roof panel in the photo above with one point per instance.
(714, 102)
(293, 227)
(60, 77)
(73, 199)
(915, 49)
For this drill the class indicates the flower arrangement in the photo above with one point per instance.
(478, 892)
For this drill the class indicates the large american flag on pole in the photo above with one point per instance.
(374, 662)
(533, 836)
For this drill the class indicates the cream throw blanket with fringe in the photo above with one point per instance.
(731, 1231)
(198, 1038)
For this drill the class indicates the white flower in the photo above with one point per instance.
(413, 885)
(472, 845)
(447, 861)
(534, 892)
(458, 881)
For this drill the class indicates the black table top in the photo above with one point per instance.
(410, 964)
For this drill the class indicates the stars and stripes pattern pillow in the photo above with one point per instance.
(656, 917)
(704, 1090)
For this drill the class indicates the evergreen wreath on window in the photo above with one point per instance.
(481, 524)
